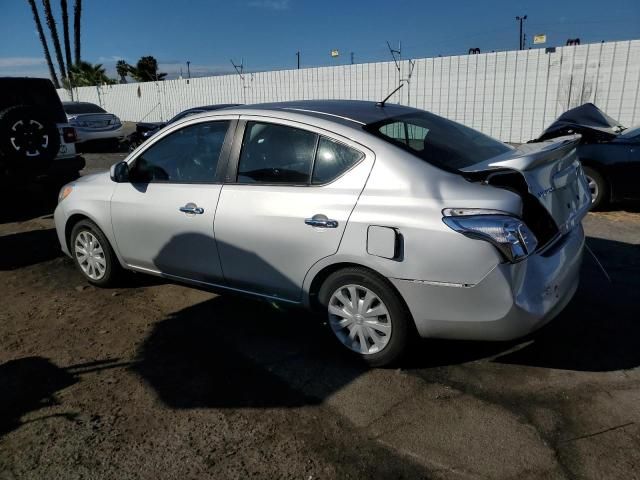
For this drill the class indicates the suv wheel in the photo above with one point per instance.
(93, 254)
(366, 315)
(28, 139)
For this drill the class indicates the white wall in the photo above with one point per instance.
(510, 95)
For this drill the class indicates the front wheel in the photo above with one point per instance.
(93, 254)
(366, 315)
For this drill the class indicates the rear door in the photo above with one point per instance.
(292, 188)
(163, 218)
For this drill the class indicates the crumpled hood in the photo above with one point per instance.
(587, 120)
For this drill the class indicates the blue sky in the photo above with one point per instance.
(267, 33)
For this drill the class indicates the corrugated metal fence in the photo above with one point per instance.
(510, 95)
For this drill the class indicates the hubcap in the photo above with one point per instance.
(593, 188)
(359, 319)
(89, 255)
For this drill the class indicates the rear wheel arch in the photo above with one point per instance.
(325, 272)
(400, 330)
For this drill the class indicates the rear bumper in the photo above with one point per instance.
(88, 134)
(510, 302)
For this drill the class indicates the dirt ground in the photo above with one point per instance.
(153, 380)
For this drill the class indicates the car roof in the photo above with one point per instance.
(79, 103)
(212, 107)
(349, 112)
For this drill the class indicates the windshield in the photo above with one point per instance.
(436, 140)
(79, 108)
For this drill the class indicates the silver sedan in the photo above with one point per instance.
(390, 220)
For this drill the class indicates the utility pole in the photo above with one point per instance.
(298, 55)
(188, 69)
(521, 36)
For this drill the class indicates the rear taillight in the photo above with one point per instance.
(69, 135)
(508, 234)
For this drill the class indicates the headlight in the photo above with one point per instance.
(65, 192)
(508, 234)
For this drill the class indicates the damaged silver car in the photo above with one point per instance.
(390, 220)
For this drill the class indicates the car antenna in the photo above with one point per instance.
(381, 104)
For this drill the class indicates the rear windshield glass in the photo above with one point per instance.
(439, 141)
(79, 108)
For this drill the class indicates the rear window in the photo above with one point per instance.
(436, 140)
(80, 108)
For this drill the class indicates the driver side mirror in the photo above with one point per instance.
(120, 172)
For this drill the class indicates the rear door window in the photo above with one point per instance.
(276, 154)
(332, 160)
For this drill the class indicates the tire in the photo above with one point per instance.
(599, 188)
(29, 140)
(390, 346)
(105, 272)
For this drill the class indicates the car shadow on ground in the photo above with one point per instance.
(28, 384)
(234, 352)
(231, 352)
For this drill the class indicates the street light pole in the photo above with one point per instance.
(188, 70)
(520, 37)
(298, 55)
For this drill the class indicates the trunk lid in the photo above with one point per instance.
(552, 173)
(94, 120)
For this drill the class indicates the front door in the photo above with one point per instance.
(163, 219)
(293, 193)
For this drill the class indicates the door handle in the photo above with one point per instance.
(192, 208)
(321, 221)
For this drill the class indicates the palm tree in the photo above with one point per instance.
(77, 13)
(146, 70)
(54, 36)
(123, 69)
(65, 29)
(84, 74)
(43, 40)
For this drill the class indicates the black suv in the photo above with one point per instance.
(35, 138)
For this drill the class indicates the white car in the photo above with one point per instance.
(93, 122)
(390, 220)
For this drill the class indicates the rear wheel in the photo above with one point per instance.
(598, 188)
(366, 315)
(93, 254)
